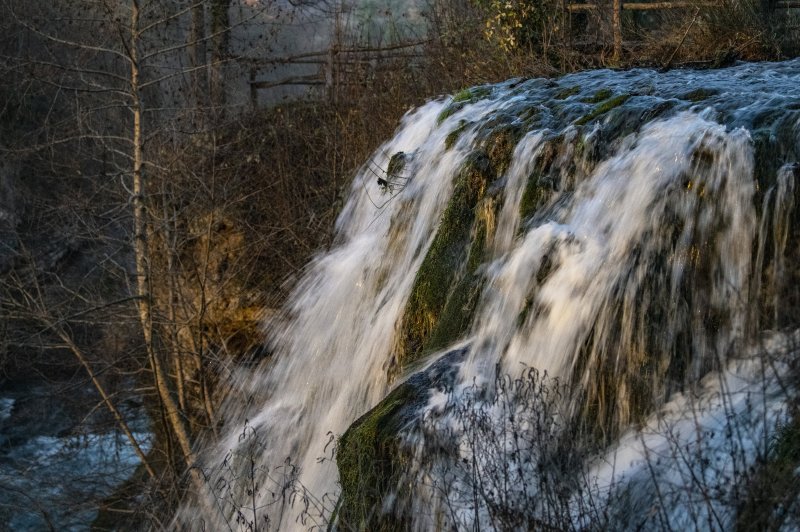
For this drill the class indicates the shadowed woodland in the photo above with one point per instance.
(168, 168)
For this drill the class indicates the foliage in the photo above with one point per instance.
(520, 24)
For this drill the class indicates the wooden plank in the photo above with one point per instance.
(298, 80)
(646, 6)
(788, 4)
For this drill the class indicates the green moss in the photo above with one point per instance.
(657, 111)
(698, 95)
(599, 96)
(529, 116)
(603, 108)
(462, 302)
(563, 94)
(462, 98)
(444, 265)
(448, 111)
(541, 183)
(396, 164)
(371, 459)
(499, 145)
(454, 135)
(370, 462)
(774, 144)
(480, 93)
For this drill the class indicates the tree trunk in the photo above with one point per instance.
(123, 425)
(141, 252)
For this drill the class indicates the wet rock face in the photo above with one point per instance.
(642, 346)
(371, 457)
(599, 228)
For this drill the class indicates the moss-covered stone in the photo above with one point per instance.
(603, 108)
(775, 147)
(563, 94)
(370, 462)
(396, 164)
(371, 459)
(542, 181)
(499, 145)
(698, 95)
(462, 98)
(454, 135)
(444, 265)
(775, 142)
(462, 302)
(474, 94)
(599, 96)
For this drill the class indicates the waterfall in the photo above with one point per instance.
(609, 252)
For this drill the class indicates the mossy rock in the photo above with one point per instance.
(371, 460)
(619, 122)
(775, 147)
(543, 181)
(699, 95)
(563, 94)
(599, 96)
(775, 141)
(462, 98)
(396, 164)
(472, 94)
(603, 108)
(449, 111)
(499, 144)
(455, 134)
(459, 310)
(444, 266)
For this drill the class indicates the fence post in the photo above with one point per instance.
(253, 89)
(616, 23)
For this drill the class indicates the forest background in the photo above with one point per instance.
(167, 167)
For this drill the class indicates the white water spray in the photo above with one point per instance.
(632, 286)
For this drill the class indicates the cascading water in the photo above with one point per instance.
(622, 240)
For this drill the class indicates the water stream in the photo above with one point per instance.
(632, 232)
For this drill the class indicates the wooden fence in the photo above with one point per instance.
(336, 63)
(617, 6)
(334, 66)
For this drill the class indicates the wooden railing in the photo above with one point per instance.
(333, 64)
(617, 6)
(646, 6)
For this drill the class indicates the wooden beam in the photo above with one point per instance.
(298, 80)
(788, 4)
(646, 6)
(377, 50)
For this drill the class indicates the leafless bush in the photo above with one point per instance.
(508, 457)
(250, 496)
